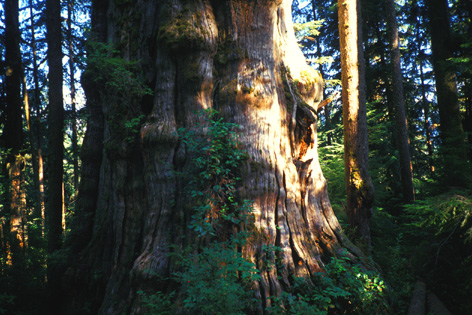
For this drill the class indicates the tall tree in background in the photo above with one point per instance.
(92, 149)
(359, 187)
(240, 58)
(319, 57)
(55, 137)
(36, 144)
(73, 118)
(453, 148)
(13, 133)
(417, 15)
(398, 100)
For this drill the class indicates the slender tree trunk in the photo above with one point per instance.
(468, 91)
(29, 125)
(55, 125)
(359, 187)
(427, 124)
(38, 161)
(13, 133)
(383, 76)
(31, 138)
(63, 208)
(92, 147)
(55, 143)
(452, 135)
(70, 39)
(424, 100)
(240, 58)
(468, 115)
(403, 142)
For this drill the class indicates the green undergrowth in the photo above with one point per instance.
(213, 177)
(344, 287)
(122, 86)
(431, 241)
(438, 237)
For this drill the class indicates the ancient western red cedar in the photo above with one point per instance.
(241, 59)
(398, 100)
(359, 187)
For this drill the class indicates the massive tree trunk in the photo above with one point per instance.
(359, 187)
(239, 58)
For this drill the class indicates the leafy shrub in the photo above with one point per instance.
(6, 300)
(158, 303)
(217, 280)
(213, 176)
(389, 251)
(344, 287)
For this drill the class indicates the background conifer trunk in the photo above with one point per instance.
(55, 146)
(13, 139)
(359, 187)
(403, 142)
(453, 149)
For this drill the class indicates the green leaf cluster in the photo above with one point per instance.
(115, 73)
(307, 31)
(132, 127)
(158, 303)
(218, 280)
(213, 175)
(344, 286)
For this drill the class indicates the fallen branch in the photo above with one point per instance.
(328, 100)
(417, 303)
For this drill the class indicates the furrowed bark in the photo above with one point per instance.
(241, 59)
